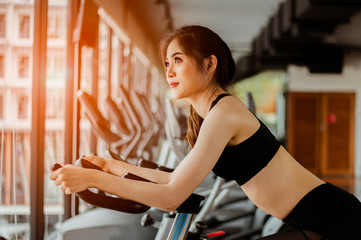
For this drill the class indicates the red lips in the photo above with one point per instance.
(173, 84)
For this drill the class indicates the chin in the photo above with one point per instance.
(176, 95)
(176, 98)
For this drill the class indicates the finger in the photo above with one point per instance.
(57, 182)
(54, 175)
(63, 187)
(67, 191)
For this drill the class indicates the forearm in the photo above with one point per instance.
(72, 179)
(120, 168)
(160, 196)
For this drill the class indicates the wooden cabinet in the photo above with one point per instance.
(321, 132)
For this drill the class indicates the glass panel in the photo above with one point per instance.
(15, 122)
(54, 111)
(1, 106)
(23, 66)
(2, 25)
(15, 117)
(24, 26)
(2, 66)
(86, 85)
(23, 107)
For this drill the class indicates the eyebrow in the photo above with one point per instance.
(176, 53)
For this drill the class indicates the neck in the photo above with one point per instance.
(202, 102)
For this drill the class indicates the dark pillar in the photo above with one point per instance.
(38, 121)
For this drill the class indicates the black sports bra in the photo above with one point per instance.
(243, 161)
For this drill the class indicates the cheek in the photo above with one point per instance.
(202, 81)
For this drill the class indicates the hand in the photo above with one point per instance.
(72, 179)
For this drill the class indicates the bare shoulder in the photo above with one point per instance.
(234, 114)
(232, 110)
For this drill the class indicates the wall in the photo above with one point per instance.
(123, 16)
(300, 79)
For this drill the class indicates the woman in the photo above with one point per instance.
(232, 142)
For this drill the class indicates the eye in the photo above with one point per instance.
(177, 59)
(166, 64)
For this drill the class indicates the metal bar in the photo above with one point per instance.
(110, 51)
(37, 218)
(69, 97)
(181, 226)
(120, 63)
(76, 117)
(95, 81)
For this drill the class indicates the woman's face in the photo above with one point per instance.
(184, 77)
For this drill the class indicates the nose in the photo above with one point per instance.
(170, 72)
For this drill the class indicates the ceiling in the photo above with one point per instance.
(264, 34)
(236, 21)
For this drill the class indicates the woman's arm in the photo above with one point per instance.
(217, 129)
(72, 179)
(119, 168)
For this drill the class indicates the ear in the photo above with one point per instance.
(211, 63)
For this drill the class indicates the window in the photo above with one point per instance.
(2, 66)
(23, 107)
(55, 65)
(23, 66)
(24, 28)
(1, 106)
(56, 26)
(54, 107)
(2, 26)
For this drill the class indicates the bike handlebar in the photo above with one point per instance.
(100, 199)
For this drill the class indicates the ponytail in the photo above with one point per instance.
(194, 125)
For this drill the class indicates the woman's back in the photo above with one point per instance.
(282, 182)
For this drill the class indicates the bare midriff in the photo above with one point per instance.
(279, 186)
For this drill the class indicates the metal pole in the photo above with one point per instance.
(37, 218)
(76, 117)
(69, 96)
(110, 51)
(94, 83)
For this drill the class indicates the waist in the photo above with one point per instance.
(301, 205)
(278, 187)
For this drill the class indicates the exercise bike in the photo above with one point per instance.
(180, 220)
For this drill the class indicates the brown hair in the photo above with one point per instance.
(199, 43)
